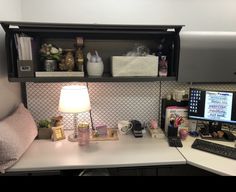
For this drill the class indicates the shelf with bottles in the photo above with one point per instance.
(108, 40)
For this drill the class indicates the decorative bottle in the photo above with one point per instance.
(163, 66)
(69, 60)
(79, 58)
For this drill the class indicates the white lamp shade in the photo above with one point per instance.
(74, 99)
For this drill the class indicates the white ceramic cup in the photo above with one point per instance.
(95, 68)
(124, 126)
(178, 95)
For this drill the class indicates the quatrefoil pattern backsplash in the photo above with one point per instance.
(110, 102)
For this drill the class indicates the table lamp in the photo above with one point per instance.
(74, 99)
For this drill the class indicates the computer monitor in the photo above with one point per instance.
(212, 106)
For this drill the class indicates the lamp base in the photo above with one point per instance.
(73, 138)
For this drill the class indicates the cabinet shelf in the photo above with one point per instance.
(90, 79)
(109, 40)
(73, 26)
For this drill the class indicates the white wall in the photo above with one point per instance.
(10, 94)
(195, 14)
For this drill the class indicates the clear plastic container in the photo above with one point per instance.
(84, 134)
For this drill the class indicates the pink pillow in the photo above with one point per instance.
(17, 132)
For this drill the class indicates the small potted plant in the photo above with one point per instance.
(44, 129)
(50, 54)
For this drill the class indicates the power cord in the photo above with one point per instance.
(90, 111)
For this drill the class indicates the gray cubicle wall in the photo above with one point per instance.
(110, 102)
(207, 56)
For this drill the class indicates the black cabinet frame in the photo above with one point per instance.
(110, 39)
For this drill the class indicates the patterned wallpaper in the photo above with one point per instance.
(110, 102)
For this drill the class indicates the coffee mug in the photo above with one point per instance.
(124, 126)
(178, 95)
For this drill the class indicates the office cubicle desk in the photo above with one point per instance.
(207, 161)
(127, 152)
(45, 155)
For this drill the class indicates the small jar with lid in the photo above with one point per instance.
(84, 134)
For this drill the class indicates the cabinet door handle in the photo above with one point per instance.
(234, 73)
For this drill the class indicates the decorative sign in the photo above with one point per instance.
(58, 133)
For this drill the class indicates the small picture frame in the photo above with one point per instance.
(58, 133)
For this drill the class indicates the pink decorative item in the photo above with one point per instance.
(154, 124)
(102, 130)
(17, 132)
(84, 134)
(183, 134)
(178, 121)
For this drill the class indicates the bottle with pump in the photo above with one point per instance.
(163, 67)
(163, 64)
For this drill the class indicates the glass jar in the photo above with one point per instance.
(84, 134)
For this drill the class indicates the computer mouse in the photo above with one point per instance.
(229, 136)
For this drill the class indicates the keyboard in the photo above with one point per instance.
(174, 142)
(215, 148)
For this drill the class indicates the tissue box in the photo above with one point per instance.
(126, 66)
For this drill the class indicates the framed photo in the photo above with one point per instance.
(58, 133)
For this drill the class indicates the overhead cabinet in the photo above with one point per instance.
(207, 57)
(107, 40)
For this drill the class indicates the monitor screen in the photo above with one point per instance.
(219, 106)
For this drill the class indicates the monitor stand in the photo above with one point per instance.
(209, 128)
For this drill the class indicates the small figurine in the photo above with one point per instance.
(154, 124)
(57, 121)
(69, 59)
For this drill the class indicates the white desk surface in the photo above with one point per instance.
(208, 161)
(126, 152)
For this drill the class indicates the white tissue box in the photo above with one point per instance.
(128, 66)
